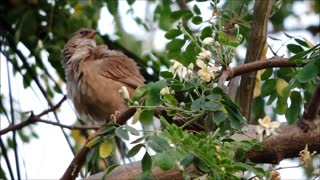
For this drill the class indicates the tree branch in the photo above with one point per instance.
(310, 114)
(275, 61)
(256, 43)
(36, 118)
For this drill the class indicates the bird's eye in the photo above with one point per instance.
(83, 32)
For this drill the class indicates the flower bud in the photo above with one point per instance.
(124, 93)
(208, 41)
(164, 91)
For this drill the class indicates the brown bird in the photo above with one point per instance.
(95, 74)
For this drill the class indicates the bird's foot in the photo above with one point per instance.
(115, 116)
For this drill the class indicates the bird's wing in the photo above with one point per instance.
(117, 66)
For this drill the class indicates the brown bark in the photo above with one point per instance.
(256, 43)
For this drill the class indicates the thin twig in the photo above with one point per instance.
(53, 108)
(14, 137)
(36, 118)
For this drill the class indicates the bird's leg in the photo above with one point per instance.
(114, 116)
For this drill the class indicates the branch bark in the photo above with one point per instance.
(311, 111)
(256, 43)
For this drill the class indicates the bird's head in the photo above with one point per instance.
(83, 38)
(84, 33)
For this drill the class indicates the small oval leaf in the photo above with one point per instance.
(105, 149)
(121, 133)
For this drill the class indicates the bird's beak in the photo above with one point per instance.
(92, 35)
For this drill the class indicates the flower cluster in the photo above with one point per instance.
(206, 72)
(178, 69)
(267, 128)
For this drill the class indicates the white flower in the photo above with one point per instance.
(205, 55)
(178, 69)
(208, 41)
(236, 26)
(165, 90)
(124, 93)
(206, 72)
(267, 127)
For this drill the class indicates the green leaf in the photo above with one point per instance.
(266, 74)
(214, 97)
(175, 45)
(153, 95)
(300, 56)
(289, 36)
(170, 99)
(211, 106)
(131, 130)
(219, 116)
(165, 161)
(296, 98)
(196, 105)
(172, 33)
(302, 42)
(274, 38)
(197, 20)
(201, 165)
(196, 9)
(294, 48)
(166, 74)
(130, 2)
(94, 141)
(308, 72)
(206, 32)
(268, 87)
(139, 93)
(133, 151)
(109, 170)
(146, 117)
(136, 116)
(176, 15)
(121, 133)
(146, 163)
(112, 7)
(282, 106)
(107, 129)
(273, 96)
(293, 113)
(158, 144)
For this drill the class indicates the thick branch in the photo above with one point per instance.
(256, 43)
(310, 113)
(287, 144)
(258, 65)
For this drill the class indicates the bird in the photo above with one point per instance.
(95, 74)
